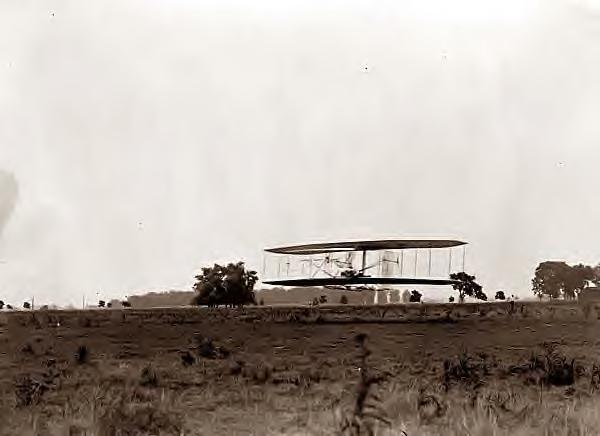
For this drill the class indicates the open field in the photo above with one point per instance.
(478, 369)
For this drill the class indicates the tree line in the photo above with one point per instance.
(555, 279)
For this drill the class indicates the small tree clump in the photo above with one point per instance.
(230, 285)
(500, 295)
(467, 286)
(415, 296)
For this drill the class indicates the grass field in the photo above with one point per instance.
(474, 369)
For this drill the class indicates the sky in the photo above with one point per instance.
(142, 140)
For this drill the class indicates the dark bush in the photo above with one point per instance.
(415, 296)
(230, 285)
(465, 369)
(28, 391)
(148, 377)
(82, 354)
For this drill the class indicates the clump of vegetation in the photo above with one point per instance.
(148, 377)
(82, 355)
(500, 296)
(558, 370)
(343, 299)
(554, 279)
(467, 287)
(465, 369)
(187, 358)
(429, 406)
(127, 415)
(230, 285)
(551, 368)
(28, 391)
(206, 348)
(415, 296)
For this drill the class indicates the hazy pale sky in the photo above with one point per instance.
(141, 140)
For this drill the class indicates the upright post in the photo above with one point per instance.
(364, 260)
(450, 262)
(464, 255)
(401, 263)
(33, 303)
(416, 257)
(429, 267)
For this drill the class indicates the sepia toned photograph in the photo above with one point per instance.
(304, 218)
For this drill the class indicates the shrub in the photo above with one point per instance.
(148, 377)
(225, 285)
(28, 391)
(415, 296)
(343, 299)
(82, 354)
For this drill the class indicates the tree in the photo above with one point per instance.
(230, 285)
(577, 280)
(1, 304)
(27, 305)
(451, 299)
(101, 303)
(500, 295)
(596, 278)
(415, 296)
(467, 286)
(554, 278)
(343, 299)
(323, 299)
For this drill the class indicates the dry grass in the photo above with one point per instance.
(502, 375)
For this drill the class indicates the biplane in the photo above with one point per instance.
(360, 265)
